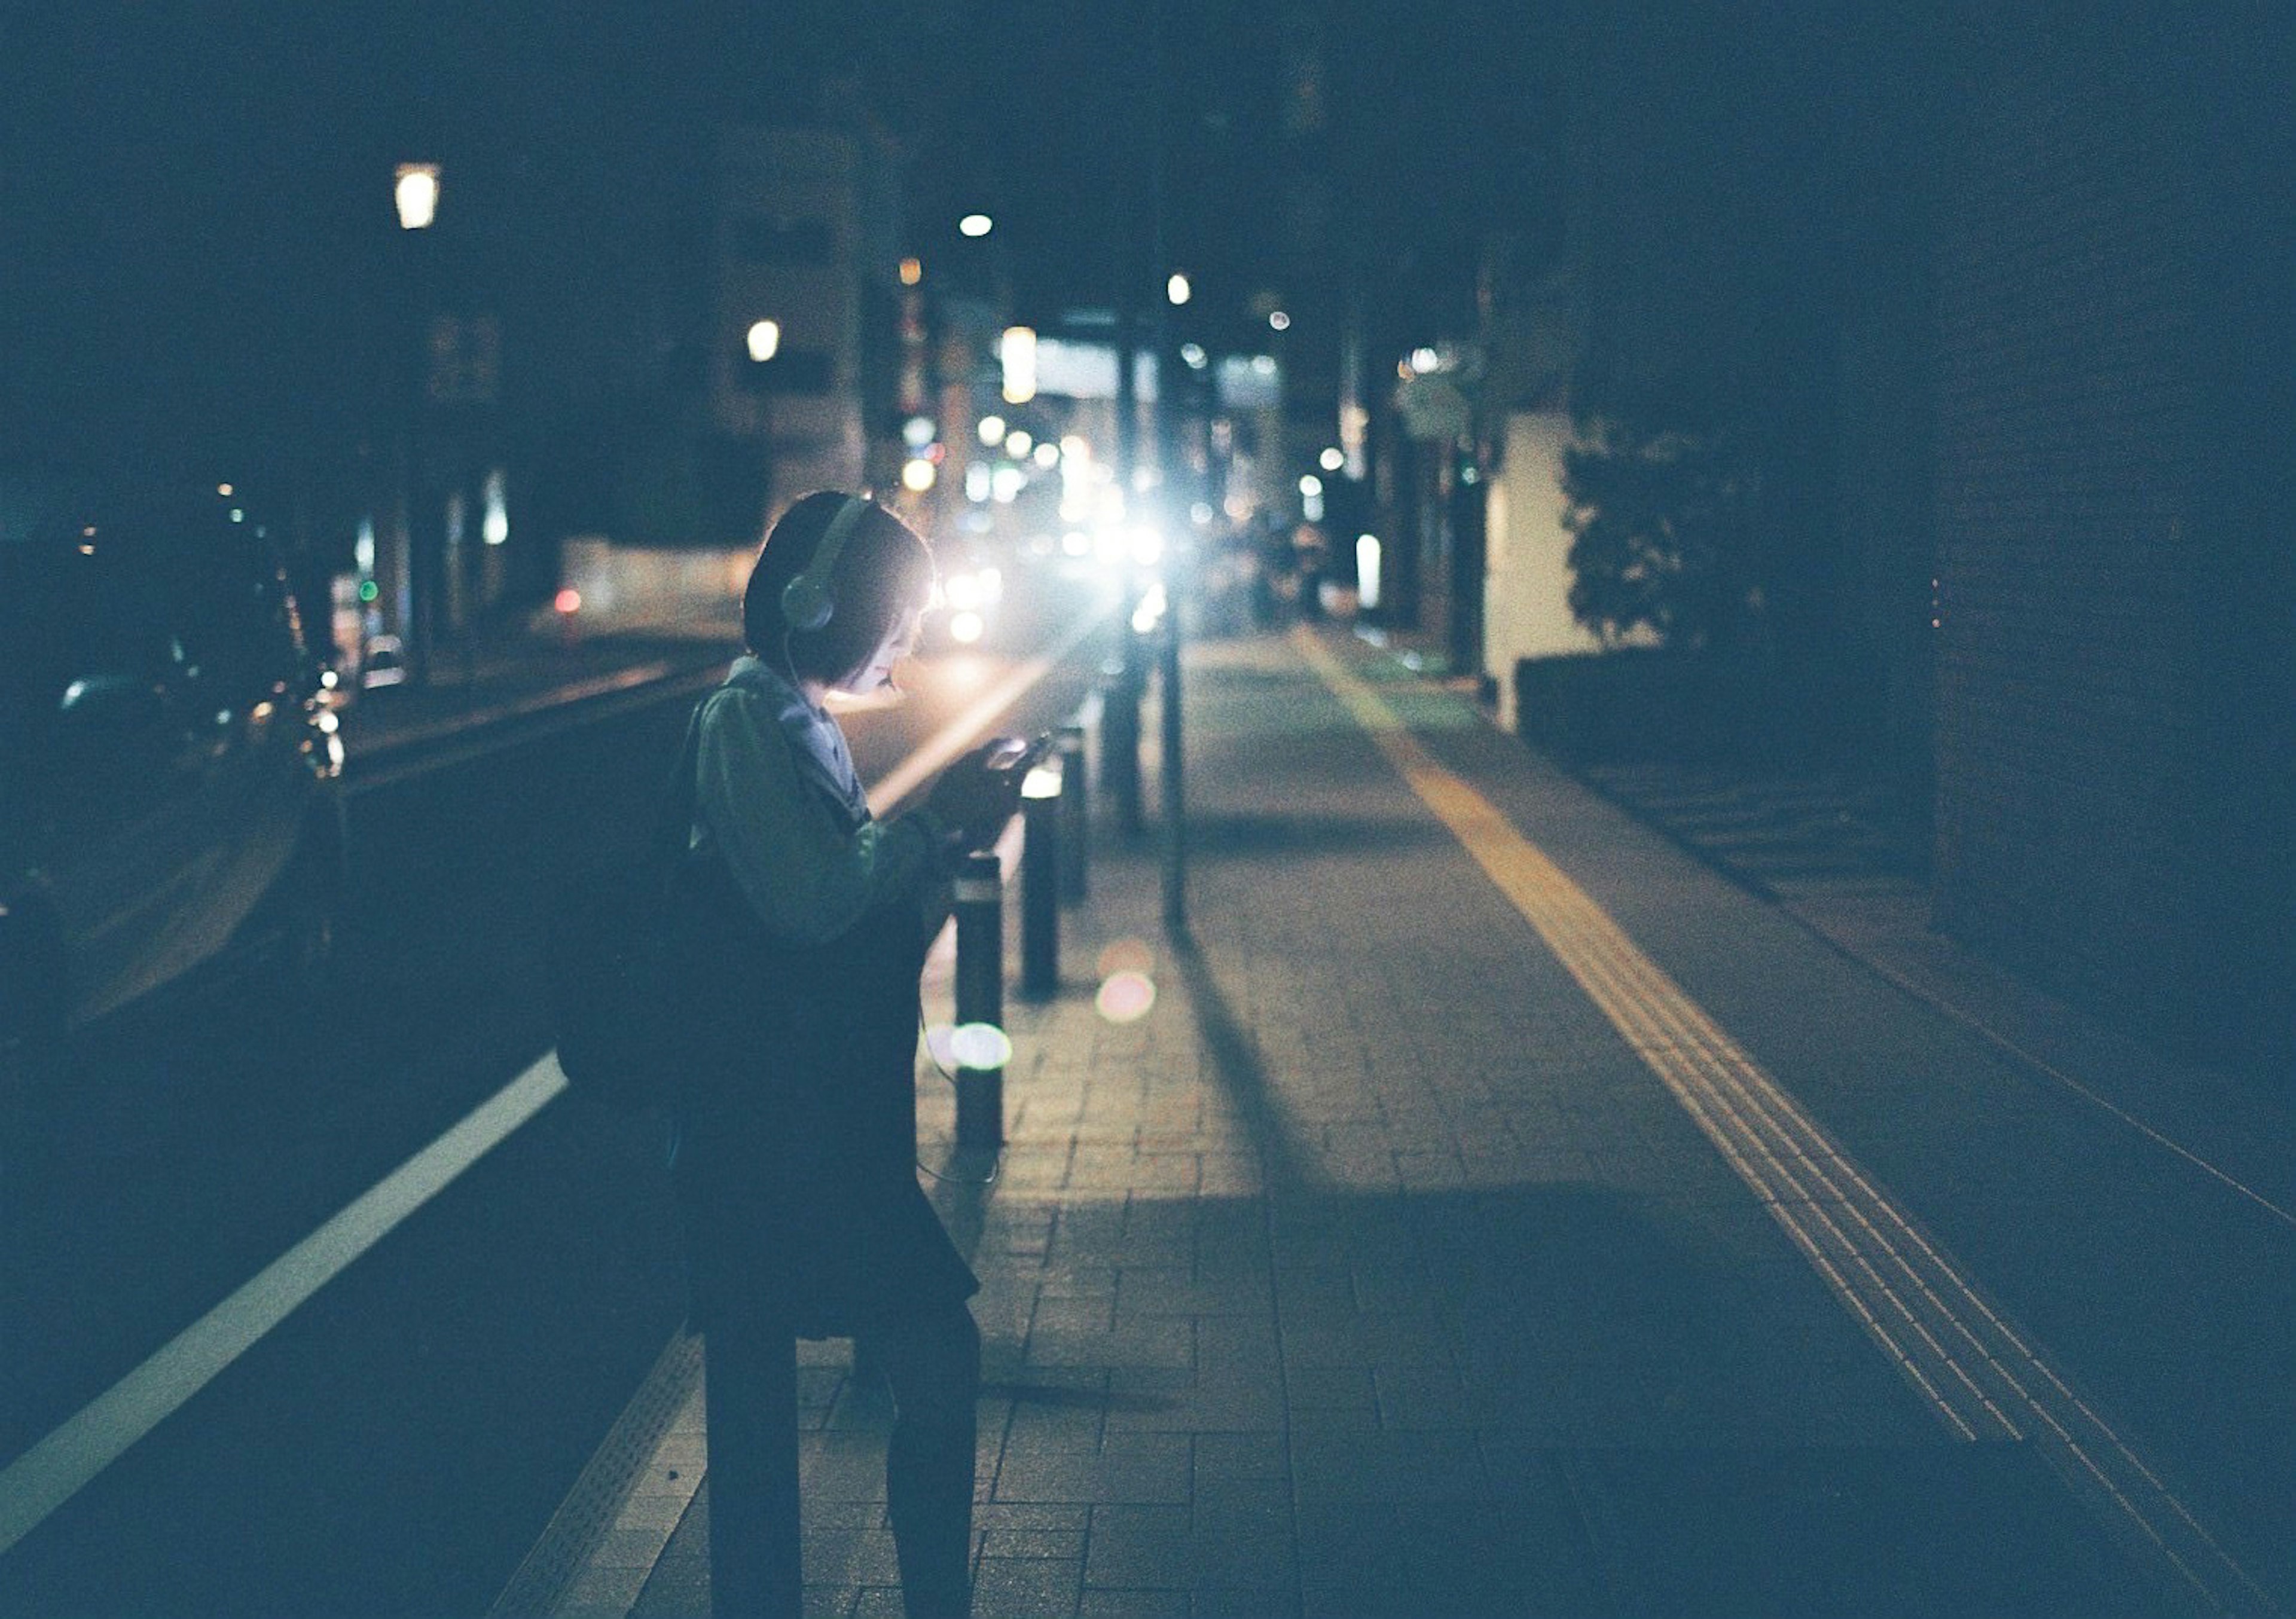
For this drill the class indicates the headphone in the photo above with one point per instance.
(810, 600)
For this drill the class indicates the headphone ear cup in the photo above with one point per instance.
(807, 603)
(809, 600)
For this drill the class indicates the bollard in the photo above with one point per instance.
(1041, 881)
(1120, 745)
(1075, 818)
(979, 905)
(1175, 797)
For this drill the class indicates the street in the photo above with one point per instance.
(394, 1446)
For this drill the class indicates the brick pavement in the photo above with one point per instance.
(1370, 1272)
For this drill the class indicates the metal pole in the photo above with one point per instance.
(1040, 884)
(980, 905)
(1175, 829)
(1075, 816)
(1120, 734)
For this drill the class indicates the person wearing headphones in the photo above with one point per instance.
(796, 1159)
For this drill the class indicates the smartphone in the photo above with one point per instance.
(1015, 753)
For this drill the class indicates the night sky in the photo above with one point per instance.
(196, 193)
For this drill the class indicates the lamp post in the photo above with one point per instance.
(403, 581)
(415, 193)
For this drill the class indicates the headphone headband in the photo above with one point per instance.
(809, 600)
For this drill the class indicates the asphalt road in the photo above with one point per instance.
(394, 1446)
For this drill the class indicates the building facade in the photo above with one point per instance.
(1999, 295)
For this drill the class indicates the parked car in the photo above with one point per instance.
(169, 767)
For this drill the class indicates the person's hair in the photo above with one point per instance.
(881, 571)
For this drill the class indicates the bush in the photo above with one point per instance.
(1663, 512)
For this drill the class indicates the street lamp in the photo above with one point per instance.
(416, 195)
(1176, 289)
(1017, 351)
(764, 340)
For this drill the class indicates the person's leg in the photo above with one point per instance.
(933, 1362)
(749, 1375)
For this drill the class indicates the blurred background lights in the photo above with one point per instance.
(1280, 321)
(1125, 997)
(965, 629)
(976, 481)
(1018, 444)
(1176, 289)
(1005, 484)
(1125, 956)
(1332, 459)
(912, 272)
(1424, 360)
(993, 430)
(917, 475)
(1150, 613)
(415, 194)
(1192, 355)
(1016, 351)
(764, 340)
(917, 432)
(1047, 455)
(1311, 485)
(495, 527)
(1367, 569)
(975, 224)
(980, 1045)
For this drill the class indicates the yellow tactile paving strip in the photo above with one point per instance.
(1981, 1377)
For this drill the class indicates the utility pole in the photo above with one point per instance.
(1174, 827)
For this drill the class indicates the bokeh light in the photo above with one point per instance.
(1125, 956)
(1126, 997)
(980, 1045)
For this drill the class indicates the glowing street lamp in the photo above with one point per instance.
(416, 193)
(764, 340)
(1177, 290)
(975, 224)
(1017, 350)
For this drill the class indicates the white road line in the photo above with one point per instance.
(1977, 1373)
(54, 1470)
(59, 1466)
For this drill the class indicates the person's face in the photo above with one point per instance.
(900, 641)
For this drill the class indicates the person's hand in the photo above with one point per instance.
(975, 799)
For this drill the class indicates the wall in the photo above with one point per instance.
(2103, 822)
(1527, 570)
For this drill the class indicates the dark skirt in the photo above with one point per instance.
(796, 1168)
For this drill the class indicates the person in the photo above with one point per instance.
(807, 923)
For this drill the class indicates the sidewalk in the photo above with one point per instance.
(1424, 1249)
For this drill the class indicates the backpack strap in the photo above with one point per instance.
(675, 829)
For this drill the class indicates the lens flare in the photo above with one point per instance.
(980, 1045)
(1126, 955)
(1126, 997)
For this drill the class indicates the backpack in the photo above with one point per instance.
(621, 1022)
